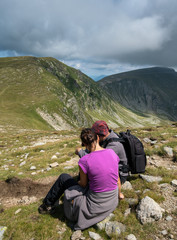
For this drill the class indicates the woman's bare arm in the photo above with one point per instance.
(83, 178)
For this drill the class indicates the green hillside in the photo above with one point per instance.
(43, 93)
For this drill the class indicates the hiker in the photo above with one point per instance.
(105, 134)
(95, 195)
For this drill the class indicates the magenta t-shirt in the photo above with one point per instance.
(101, 168)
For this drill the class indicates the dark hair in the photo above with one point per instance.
(88, 136)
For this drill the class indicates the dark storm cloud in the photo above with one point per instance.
(138, 32)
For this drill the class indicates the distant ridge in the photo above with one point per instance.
(145, 91)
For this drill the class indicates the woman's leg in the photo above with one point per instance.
(62, 183)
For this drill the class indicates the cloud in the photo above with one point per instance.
(102, 32)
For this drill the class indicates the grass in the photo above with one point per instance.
(28, 224)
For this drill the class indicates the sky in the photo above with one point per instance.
(98, 37)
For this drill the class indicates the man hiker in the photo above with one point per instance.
(105, 134)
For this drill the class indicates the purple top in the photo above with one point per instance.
(102, 169)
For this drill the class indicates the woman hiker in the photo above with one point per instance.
(95, 195)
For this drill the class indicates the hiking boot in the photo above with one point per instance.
(44, 209)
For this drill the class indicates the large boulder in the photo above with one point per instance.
(148, 210)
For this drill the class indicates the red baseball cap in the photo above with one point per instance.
(100, 127)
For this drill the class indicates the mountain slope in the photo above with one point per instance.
(43, 93)
(145, 91)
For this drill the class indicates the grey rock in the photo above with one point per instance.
(130, 237)
(164, 232)
(94, 235)
(48, 169)
(153, 142)
(148, 211)
(32, 168)
(114, 228)
(127, 186)
(22, 163)
(150, 178)
(101, 225)
(169, 151)
(55, 164)
(169, 218)
(174, 183)
(68, 167)
(146, 140)
(19, 210)
(76, 235)
(2, 230)
(127, 212)
(53, 157)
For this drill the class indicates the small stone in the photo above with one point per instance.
(57, 154)
(68, 167)
(26, 155)
(19, 210)
(174, 183)
(76, 235)
(150, 178)
(153, 142)
(164, 232)
(127, 186)
(169, 218)
(114, 228)
(53, 157)
(48, 169)
(127, 212)
(130, 237)
(101, 225)
(146, 140)
(22, 163)
(2, 230)
(94, 235)
(20, 173)
(55, 164)
(32, 168)
(169, 151)
(42, 151)
(33, 173)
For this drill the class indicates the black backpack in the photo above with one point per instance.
(134, 150)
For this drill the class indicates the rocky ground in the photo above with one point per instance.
(21, 190)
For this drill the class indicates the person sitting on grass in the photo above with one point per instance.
(95, 195)
(105, 135)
